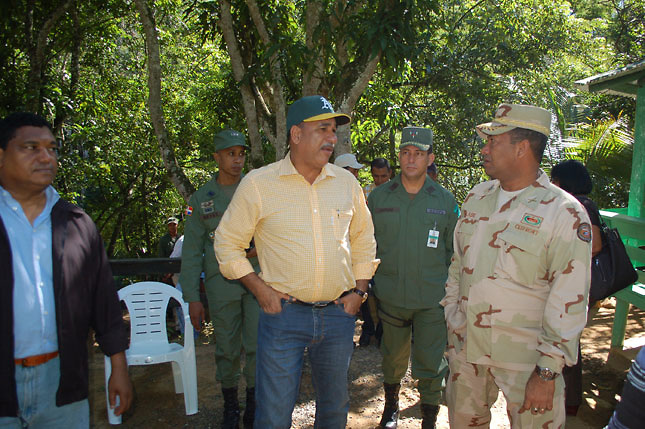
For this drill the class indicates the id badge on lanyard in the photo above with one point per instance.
(433, 237)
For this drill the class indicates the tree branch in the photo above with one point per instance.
(311, 81)
(350, 99)
(176, 173)
(248, 101)
(37, 55)
(276, 75)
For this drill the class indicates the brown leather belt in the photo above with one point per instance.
(36, 360)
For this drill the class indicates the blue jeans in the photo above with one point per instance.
(37, 387)
(327, 334)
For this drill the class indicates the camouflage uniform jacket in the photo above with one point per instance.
(518, 283)
(206, 208)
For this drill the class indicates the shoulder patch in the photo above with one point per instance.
(584, 232)
(189, 211)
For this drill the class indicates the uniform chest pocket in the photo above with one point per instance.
(520, 254)
(464, 231)
(386, 225)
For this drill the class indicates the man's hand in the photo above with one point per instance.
(197, 314)
(352, 303)
(268, 298)
(538, 396)
(119, 384)
(252, 253)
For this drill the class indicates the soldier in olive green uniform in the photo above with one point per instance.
(414, 218)
(168, 240)
(233, 309)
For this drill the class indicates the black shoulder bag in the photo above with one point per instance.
(611, 268)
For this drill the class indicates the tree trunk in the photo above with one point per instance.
(349, 100)
(248, 100)
(175, 172)
(37, 53)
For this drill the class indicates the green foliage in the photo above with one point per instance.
(445, 65)
(605, 147)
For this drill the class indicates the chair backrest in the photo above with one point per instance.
(147, 303)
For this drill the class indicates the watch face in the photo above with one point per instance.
(545, 373)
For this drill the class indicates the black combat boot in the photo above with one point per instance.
(249, 411)
(231, 417)
(390, 418)
(429, 413)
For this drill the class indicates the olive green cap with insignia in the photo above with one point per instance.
(229, 138)
(418, 137)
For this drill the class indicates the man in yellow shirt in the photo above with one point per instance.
(315, 242)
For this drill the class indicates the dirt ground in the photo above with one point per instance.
(157, 406)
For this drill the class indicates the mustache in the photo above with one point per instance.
(328, 146)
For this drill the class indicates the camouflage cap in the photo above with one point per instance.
(418, 137)
(510, 116)
(313, 108)
(229, 138)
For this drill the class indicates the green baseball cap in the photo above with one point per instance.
(510, 116)
(313, 108)
(229, 138)
(418, 137)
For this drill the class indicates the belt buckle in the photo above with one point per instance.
(321, 304)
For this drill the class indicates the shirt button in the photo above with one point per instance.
(41, 284)
(38, 257)
(14, 208)
(315, 211)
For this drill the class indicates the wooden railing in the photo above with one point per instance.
(632, 231)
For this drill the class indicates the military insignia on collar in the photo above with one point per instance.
(584, 232)
(532, 220)
(211, 235)
(207, 207)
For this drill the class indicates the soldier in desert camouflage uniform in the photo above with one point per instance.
(516, 295)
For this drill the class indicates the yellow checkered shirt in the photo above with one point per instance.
(313, 240)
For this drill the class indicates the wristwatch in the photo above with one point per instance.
(545, 374)
(360, 293)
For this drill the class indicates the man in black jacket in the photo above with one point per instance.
(55, 283)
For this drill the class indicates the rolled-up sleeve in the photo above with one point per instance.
(236, 229)
(361, 237)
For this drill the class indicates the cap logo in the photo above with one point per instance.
(503, 111)
(326, 105)
(413, 134)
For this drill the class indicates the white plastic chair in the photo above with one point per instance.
(147, 303)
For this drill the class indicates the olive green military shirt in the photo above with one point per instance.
(166, 244)
(412, 274)
(205, 210)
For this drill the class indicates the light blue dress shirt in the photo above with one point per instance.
(34, 309)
